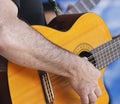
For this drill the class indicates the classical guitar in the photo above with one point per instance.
(84, 35)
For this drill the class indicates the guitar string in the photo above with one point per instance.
(108, 46)
(83, 6)
(108, 60)
(115, 51)
(115, 56)
(103, 63)
(100, 53)
(109, 55)
(105, 49)
(48, 90)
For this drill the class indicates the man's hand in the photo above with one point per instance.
(83, 75)
(85, 82)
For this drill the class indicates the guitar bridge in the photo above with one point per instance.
(47, 87)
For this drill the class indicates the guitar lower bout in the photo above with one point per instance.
(81, 34)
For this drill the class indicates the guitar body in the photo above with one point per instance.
(74, 33)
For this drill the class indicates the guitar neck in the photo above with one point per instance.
(83, 6)
(106, 53)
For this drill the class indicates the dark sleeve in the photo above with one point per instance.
(32, 12)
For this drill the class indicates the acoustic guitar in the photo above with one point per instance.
(85, 35)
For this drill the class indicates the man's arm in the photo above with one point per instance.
(22, 45)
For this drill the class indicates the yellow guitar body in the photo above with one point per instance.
(88, 32)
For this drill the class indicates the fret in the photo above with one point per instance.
(110, 58)
(83, 6)
(77, 9)
(92, 2)
(80, 7)
(74, 10)
(118, 53)
(106, 63)
(105, 46)
(114, 56)
(107, 53)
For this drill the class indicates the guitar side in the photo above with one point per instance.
(85, 34)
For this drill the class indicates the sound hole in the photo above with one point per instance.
(89, 56)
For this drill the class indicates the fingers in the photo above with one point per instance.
(90, 98)
(84, 99)
(98, 92)
(84, 96)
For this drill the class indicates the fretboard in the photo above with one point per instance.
(106, 53)
(83, 6)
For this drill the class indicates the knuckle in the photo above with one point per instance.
(84, 91)
(92, 101)
(85, 101)
(100, 93)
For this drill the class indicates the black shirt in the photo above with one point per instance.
(31, 11)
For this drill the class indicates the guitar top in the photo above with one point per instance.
(82, 34)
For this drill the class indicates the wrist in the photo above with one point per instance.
(73, 67)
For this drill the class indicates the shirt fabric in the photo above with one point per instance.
(31, 11)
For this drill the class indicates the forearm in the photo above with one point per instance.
(27, 47)
(22, 45)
